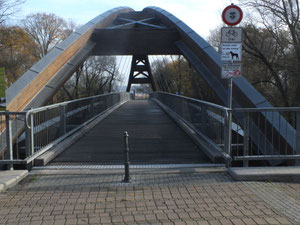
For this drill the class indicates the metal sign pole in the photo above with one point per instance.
(229, 105)
(231, 57)
(229, 97)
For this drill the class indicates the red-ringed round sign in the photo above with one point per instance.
(232, 15)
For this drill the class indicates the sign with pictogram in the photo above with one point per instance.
(230, 70)
(231, 52)
(232, 15)
(231, 34)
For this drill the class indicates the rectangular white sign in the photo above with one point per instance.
(231, 52)
(231, 70)
(231, 34)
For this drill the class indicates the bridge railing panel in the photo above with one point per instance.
(206, 119)
(26, 135)
(11, 124)
(256, 136)
(269, 135)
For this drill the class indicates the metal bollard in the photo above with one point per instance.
(127, 178)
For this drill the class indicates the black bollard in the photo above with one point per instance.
(126, 163)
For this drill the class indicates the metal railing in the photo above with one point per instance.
(208, 120)
(265, 136)
(269, 134)
(26, 135)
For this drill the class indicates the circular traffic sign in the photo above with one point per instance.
(232, 15)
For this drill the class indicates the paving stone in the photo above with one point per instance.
(207, 198)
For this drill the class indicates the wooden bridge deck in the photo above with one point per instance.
(153, 138)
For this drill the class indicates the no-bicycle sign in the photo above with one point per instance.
(232, 15)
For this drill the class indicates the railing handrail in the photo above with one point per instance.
(43, 108)
(272, 109)
(11, 113)
(39, 109)
(223, 108)
(234, 109)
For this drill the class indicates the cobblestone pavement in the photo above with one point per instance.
(187, 197)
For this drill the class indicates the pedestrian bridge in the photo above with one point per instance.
(253, 132)
(153, 139)
(165, 129)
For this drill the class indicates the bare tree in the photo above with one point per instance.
(46, 30)
(97, 75)
(8, 8)
(275, 41)
(215, 38)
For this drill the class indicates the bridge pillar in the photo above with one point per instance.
(140, 72)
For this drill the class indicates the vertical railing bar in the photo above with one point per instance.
(9, 141)
(297, 143)
(279, 126)
(41, 130)
(221, 129)
(37, 128)
(27, 141)
(46, 121)
(32, 133)
(14, 133)
(251, 133)
(265, 132)
(286, 138)
(259, 139)
(229, 135)
(272, 133)
(246, 138)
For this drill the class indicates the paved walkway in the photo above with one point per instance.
(173, 196)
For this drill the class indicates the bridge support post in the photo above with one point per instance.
(127, 178)
(140, 72)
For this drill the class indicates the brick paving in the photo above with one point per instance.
(185, 197)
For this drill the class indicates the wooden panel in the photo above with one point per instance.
(25, 96)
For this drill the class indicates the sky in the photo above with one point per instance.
(201, 15)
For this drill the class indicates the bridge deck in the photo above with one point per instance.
(153, 138)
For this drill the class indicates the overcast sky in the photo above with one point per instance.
(201, 15)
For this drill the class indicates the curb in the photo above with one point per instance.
(283, 173)
(10, 178)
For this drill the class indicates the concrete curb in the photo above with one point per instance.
(265, 173)
(10, 178)
(45, 158)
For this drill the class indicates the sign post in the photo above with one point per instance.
(231, 58)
